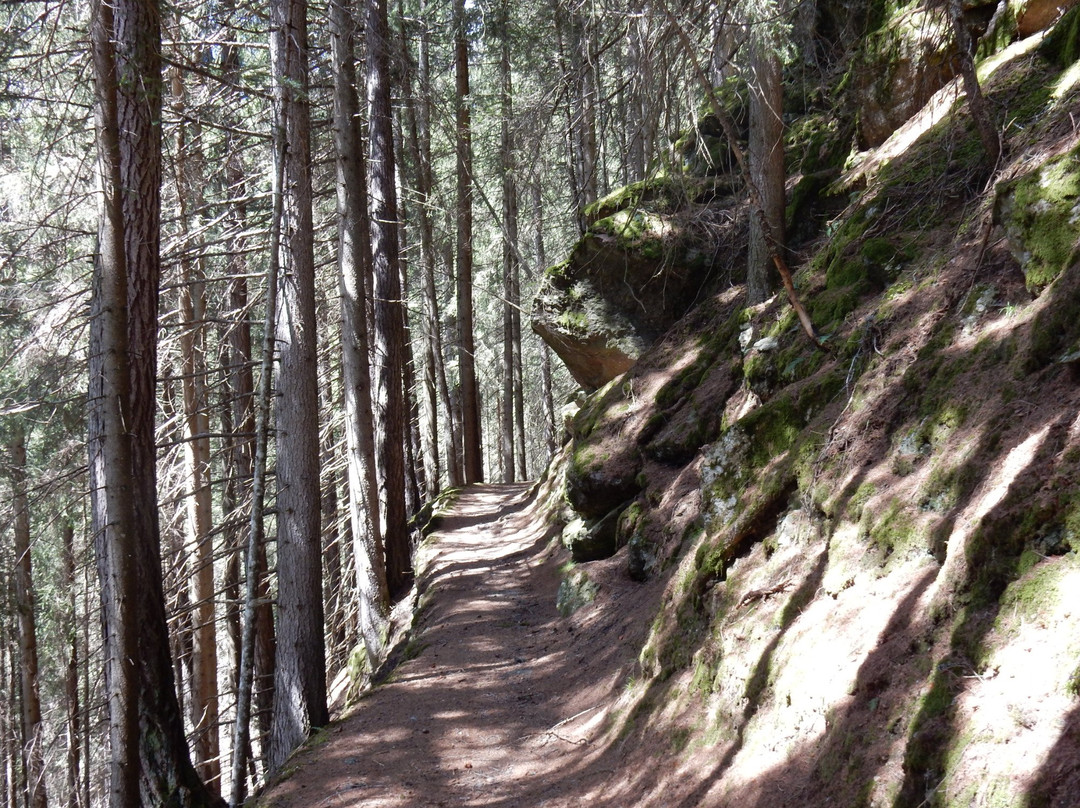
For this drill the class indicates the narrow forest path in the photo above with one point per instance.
(503, 698)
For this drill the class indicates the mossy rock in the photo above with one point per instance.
(1041, 215)
(575, 591)
(679, 440)
(594, 486)
(1062, 44)
(1056, 329)
(662, 196)
(902, 64)
(429, 518)
(595, 539)
(604, 466)
(647, 257)
(632, 533)
(704, 154)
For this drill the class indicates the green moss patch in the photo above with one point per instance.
(1041, 214)
(575, 591)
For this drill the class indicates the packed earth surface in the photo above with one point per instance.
(503, 701)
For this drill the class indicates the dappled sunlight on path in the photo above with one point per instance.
(500, 698)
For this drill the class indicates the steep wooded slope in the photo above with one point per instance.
(869, 553)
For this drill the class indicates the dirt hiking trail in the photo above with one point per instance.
(502, 699)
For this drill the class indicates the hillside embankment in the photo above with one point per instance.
(869, 552)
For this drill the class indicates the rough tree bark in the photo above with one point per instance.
(389, 338)
(766, 153)
(354, 272)
(32, 752)
(254, 555)
(73, 718)
(546, 397)
(418, 117)
(417, 177)
(149, 756)
(203, 706)
(300, 675)
(977, 106)
(111, 484)
(415, 481)
(509, 236)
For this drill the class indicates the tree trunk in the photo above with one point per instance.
(143, 711)
(584, 122)
(239, 424)
(72, 707)
(638, 66)
(509, 237)
(546, 397)
(418, 117)
(9, 746)
(421, 393)
(257, 649)
(111, 483)
(300, 675)
(470, 394)
(354, 266)
(389, 318)
(204, 692)
(757, 208)
(766, 153)
(415, 482)
(333, 589)
(977, 106)
(33, 754)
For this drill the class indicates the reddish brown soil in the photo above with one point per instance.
(501, 701)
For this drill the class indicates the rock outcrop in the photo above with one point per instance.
(1038, 15)
(906, 61)
(1040, 212)
(651, 250)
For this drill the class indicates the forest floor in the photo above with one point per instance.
(500, 698)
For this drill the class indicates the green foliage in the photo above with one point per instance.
(861, 496)
(895, 531)
(948, 486)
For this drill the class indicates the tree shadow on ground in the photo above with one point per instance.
(1057, 783)
(495, 676)
(758, 681)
